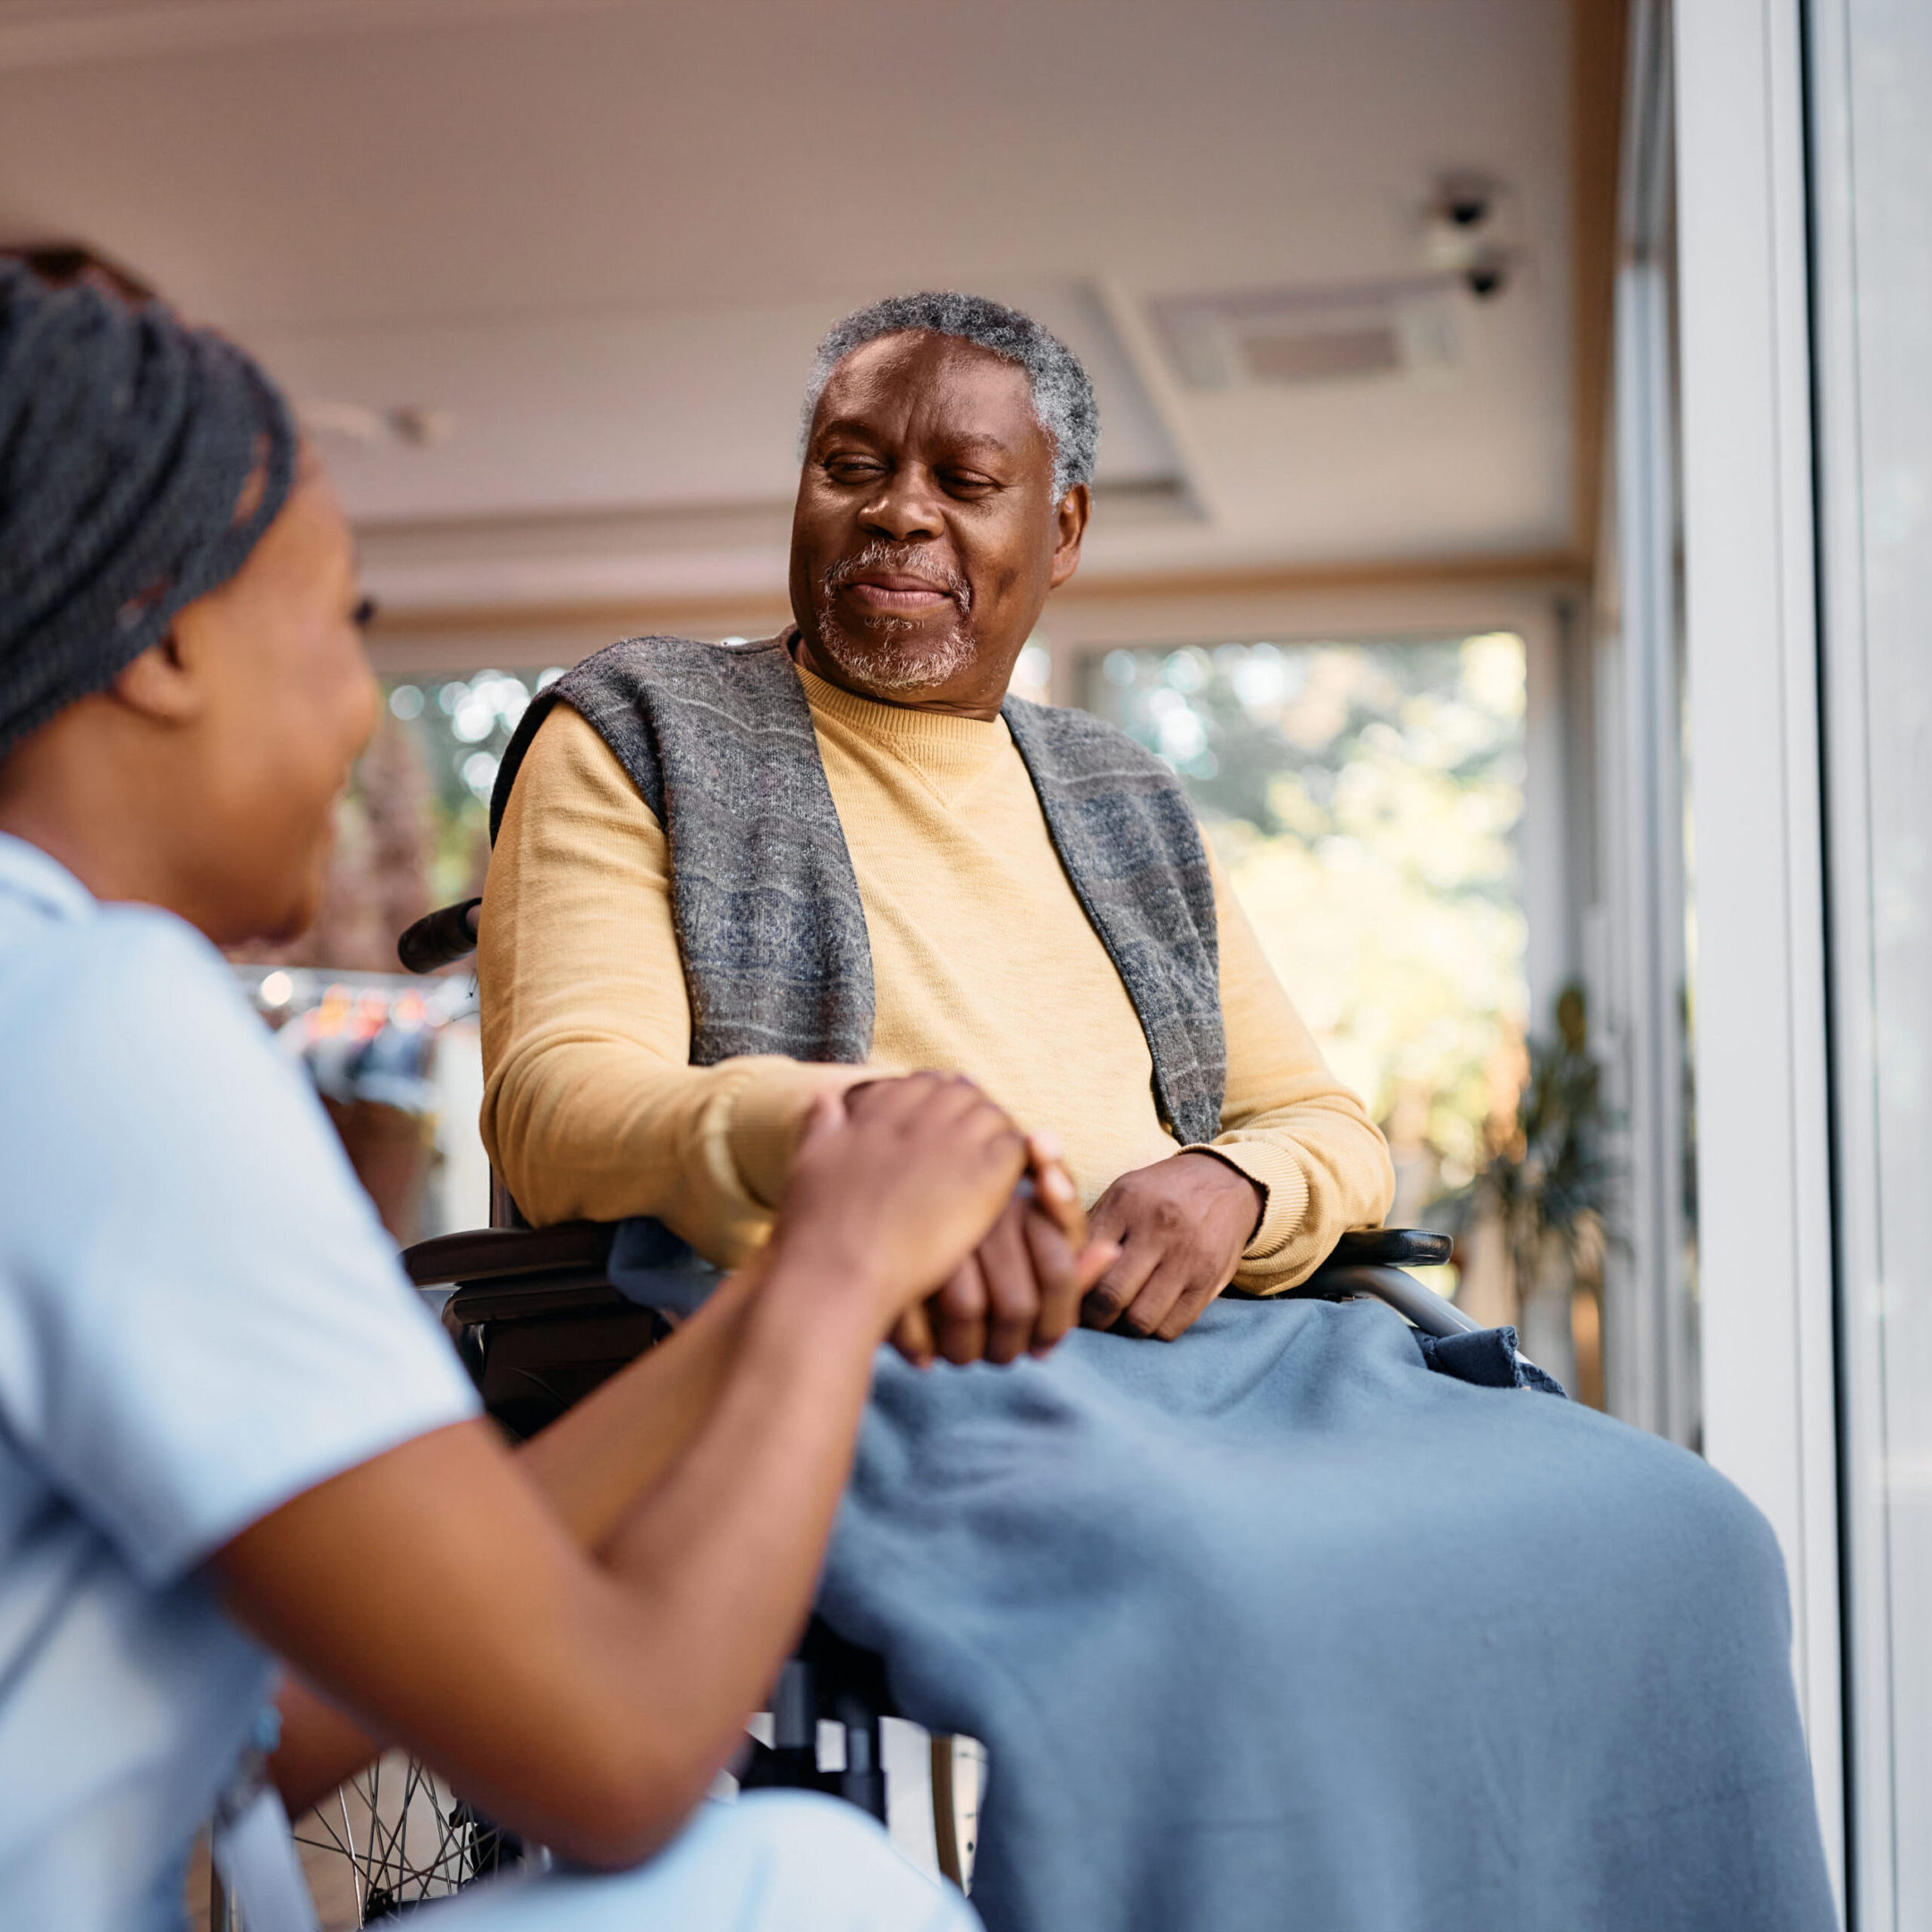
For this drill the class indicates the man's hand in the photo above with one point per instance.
(1020, 1290)
(1181, 1226)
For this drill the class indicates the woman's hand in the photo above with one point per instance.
(894, 1183)
(704, 1478)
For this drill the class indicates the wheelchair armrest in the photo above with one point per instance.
(497, 1254)
(1390, 1247)
(441, 937)
(1372, 1262)
(1427, 1310)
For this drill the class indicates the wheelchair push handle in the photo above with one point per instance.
(440, 938)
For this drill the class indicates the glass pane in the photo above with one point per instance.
(1365, 798)
(397, 1060)
(1876, 296)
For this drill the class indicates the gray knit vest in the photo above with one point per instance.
(719, 742)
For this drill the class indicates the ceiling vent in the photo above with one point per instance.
(1299, 337)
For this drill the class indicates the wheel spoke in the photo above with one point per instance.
(404, 1835)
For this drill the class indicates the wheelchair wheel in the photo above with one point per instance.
(392, 1838)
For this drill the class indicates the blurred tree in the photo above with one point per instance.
(379, 874)
(1548, 1183)
(1365, 798)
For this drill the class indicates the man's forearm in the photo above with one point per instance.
(596, 1129)
(1287, 1123)
(1325, 1170)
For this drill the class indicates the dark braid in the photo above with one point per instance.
(127, 440)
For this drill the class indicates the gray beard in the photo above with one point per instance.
(894, 655)
(896, 664)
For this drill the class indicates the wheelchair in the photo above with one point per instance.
(540, 1322)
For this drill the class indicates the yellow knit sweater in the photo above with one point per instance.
(983, 963)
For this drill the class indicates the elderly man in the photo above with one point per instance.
(1276, 1621)
(721, 886)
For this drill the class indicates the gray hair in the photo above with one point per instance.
(1062, 394)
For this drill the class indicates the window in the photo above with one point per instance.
(396, 1060)
(1365, 798)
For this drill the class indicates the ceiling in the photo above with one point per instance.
(585, 247)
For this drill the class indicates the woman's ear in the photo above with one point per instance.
(161, 683)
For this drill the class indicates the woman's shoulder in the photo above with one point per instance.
(125, 987)
(141, 1071)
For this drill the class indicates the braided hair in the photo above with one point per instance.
(141, 462)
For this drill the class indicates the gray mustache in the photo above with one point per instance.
(909, 560)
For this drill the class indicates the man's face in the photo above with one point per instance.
(926, 535)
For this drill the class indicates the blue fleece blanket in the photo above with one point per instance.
(1275, 1627)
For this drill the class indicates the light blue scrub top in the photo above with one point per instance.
(200, 1316)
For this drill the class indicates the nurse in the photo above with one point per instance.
(228, 1433)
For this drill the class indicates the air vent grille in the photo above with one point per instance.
(1299, 337)
(1322, 355)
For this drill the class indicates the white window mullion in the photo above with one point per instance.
(1764, 1173)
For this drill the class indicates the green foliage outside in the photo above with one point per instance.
(1365, 798)
(460, 727)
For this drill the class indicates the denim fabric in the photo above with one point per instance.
(1489, 1358)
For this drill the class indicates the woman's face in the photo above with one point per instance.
(289, 702)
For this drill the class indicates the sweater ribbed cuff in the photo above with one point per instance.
(1278, 1174)
(767, 1114)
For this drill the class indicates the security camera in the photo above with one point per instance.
(1464, 200)
(1460, 230)
(1487, 275)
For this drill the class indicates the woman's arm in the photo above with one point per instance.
(434, 1592)
(591, 1465)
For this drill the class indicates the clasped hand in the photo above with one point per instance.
(922, 1194)
(1161, 1243)
(940, 1160)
